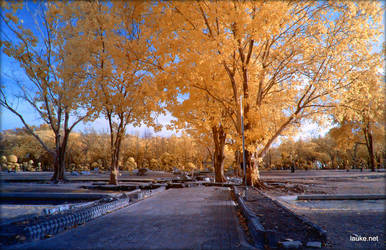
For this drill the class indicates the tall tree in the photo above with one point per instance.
(56, 89)
(118, 52)
(201, 116)
(288, 60)
(363, 105)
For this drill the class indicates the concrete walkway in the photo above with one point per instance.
(189, 218)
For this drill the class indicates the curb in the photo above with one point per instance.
(62, 222)
(255, 228)
(322, 233)
(57, 223)
(52, 196)
(342, 197)
(219, 184)
(182, 185)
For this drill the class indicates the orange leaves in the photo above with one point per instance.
(299, 56)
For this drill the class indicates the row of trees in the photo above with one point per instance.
(341, 148)
(282, 61)
(89, 150)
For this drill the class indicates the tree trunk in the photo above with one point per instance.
(60, 159)
(59, 166)
(114, 176)
(55, 176)
(114, 167)
(251, 179)
(355, 161)
(62, 167)
(115, 162)
(219, 137)
(372, 162)
(381, 160)
(239, 166)
(370, 146)
(253, 175)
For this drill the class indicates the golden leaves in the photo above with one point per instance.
(300, 58)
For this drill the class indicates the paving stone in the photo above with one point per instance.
(188, 218)
(291, 244)
(315, 244)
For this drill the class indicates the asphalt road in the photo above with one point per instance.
(189, 218)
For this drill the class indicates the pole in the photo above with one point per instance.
(242, 134)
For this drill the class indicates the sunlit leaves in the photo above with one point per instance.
(301, 56)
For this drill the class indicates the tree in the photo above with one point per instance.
(201, 116)
(56, 89)
(362, 106)
(117, 47)
(288, 60)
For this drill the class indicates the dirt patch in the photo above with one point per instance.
(273, 217)
(358, 185)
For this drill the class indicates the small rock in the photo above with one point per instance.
(315, 244)
(291, 244)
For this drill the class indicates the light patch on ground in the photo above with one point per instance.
(12, 211)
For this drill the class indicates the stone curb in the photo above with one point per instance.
(55, 224)
(182, 185)
(218, 184)
(52, 196)
(342, 197)
(254, 226)
(317, 228)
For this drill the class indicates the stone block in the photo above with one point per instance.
(314, 244)
(291, 244)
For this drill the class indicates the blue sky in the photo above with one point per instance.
(11, 72)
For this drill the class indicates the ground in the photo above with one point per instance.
(205, 217)
(340, 218)
(189, 218)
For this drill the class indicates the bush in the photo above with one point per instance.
(12, 158)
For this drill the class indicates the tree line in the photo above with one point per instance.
(340, 148)
(89, 151)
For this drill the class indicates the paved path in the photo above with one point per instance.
(189, 218)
